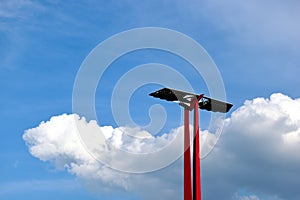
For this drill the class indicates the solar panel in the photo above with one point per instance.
(166, 94)
(205, 103)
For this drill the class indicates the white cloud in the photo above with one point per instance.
(16, 17)
(58, 141)
(18, 9)
(251, 197)
(258, 152)
(273, 23)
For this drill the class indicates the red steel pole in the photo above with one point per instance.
(187, 157)
(196, 155)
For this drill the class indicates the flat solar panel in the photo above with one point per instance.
(205, 103)
(166, 94)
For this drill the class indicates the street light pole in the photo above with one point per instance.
(189, 102)
(187, 176)
(196, 155)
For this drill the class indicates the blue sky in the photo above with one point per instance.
(43, 43)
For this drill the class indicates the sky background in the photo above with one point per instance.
(255, 45)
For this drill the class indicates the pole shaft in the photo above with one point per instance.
(187, 158)
(196, 156)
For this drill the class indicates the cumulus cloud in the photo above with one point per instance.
(59, 142)
(257, 153)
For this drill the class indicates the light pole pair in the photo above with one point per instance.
(190, 102)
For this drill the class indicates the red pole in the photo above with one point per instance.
(187, 158)
(196, 155)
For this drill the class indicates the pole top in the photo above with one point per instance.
(205, 103)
